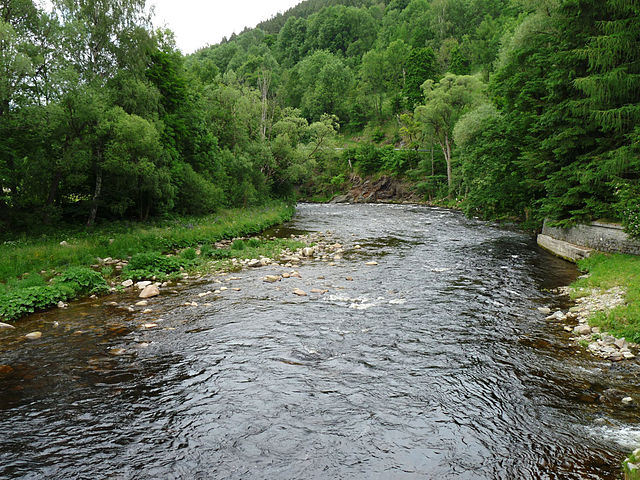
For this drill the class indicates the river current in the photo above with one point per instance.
(433, 364)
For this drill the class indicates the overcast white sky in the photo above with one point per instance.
(197, 23)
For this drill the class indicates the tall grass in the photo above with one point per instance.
(33, 255)
(38, 272)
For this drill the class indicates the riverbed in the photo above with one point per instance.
(426, 357)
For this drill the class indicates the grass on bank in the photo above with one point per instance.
(608, 271)
(37, 273)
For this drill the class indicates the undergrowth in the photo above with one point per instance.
(37, 273)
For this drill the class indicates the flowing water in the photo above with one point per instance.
(433, 364)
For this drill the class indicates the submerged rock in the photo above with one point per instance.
(6, 326)
(33, 335)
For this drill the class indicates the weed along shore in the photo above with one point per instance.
(605, 318)
(40, 273)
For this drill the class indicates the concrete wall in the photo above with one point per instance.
(605, 237)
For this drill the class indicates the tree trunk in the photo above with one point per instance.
(53, 193)
(96, 195)
(433, 167)
(446, 150)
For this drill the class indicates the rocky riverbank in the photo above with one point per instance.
(590, 302)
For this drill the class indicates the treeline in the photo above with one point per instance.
(100, 119)
(511, 108)
(532, 106)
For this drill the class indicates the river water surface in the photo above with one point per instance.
(433, 364)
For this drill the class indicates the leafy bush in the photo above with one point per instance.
(628, 207)
(153, 264)
(238, 245)
(82, 281)
(73, 282)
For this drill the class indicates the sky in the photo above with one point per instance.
(197, 23)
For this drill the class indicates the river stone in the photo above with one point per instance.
(33, 335)
(142, 303)
(150, 291)
(544, 310)
(300, 293)
(147, 310)
(254, 262)
(149, 325)
(372, 263)
(582, 330)
(349, 279)
(143, 285)
(6, 326)
(308, 251)
(271, 278)
(319, 290)
(627, 400)
(286, 275)
(117, 351)
(556, 316)
(127, 283)
(61, 304)
(615, 357)
(620, 343)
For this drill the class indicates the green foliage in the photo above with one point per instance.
(628, 205)
(82, 281)
(155, 265)
(73, 282)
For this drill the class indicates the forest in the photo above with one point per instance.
(508, 109)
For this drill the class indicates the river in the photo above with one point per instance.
(433, 364)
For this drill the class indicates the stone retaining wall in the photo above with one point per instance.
(605, 237)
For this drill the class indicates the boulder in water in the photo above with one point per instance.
(150, 291)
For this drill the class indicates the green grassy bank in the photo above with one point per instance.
(37, 273)
(608, 271)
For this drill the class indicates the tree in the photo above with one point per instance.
(420, 67)
(445, 102)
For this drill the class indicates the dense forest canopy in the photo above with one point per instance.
(529, 109)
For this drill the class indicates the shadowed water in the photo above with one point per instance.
(433, 364)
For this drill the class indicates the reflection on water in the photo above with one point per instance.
(435, 363)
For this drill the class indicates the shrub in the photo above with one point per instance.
(153, 264)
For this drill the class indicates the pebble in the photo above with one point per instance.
(349, 279)
(6, 326)
(147, 310)
(319, 290)
(582, 330)
(286, 275)
(300, 293)
(544, 310)
(149, 325)
(33, 335)
(142, 303)
(143, 285)
(371, 263)
(127, 283)
(61, 304)
(271, 278)
(627, 400)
